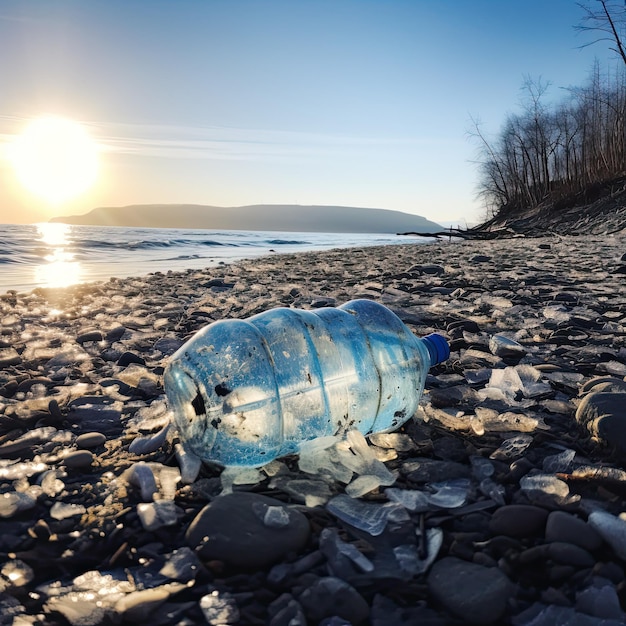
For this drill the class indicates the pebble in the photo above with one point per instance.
(563, 526)
(231, 529)
(604, 415)
(518, 520)
(91, 335)
(78, 459)
(90, 440)
(612, 529)
(471, 592)
(329, 597)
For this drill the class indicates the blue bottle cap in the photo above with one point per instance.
(438, 348)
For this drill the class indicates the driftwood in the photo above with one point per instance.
(500, 233)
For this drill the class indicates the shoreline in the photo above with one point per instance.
(82, 417)
(58, 255)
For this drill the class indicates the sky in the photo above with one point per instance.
(363, 103)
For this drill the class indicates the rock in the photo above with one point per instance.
(453, 396)
(329, 596)
(130, 357)
(115, 333)
(9, 356)
(604, 415)
(90, 440)
(231, 529)
(138, 605)
(96, 414)
(155, 515)
(601, 601)
(562, 526)
(79, 459)
(612, 529)
(429, 268)
(518, 520)
(219, 608)
(569, 554)
(425, 470)
(603, 383)
(90, 335)
(168, 345)
(473, 593)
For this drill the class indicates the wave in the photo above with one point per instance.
(185, 257)
(148, 244)
(287, 242)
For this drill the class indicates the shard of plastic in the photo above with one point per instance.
(331, 544)
(547, 488)
(369, 517)
(561, 462)
(511, 448)
(409, 558)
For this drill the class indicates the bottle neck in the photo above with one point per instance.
(438, 348)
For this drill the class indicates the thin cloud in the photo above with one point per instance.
(198, 142)
(220, 143)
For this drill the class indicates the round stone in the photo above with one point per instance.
(330, 596)
(90, 335)
(518, 520)
(472, 592)
(247, 531)
(90, 440)
(78, 459)
(612, 529)
(604, 415)
(562, 526)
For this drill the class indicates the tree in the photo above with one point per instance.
(609, 19)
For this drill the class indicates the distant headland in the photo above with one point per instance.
(272, 217)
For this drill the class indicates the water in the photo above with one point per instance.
(59, 255)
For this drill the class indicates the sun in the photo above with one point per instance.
(55, 159)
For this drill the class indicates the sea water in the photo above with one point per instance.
(59, 255)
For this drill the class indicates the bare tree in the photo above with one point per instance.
(608, 19)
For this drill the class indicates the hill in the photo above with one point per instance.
(599, 210)
(277, 217)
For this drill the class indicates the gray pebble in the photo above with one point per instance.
(9, 356)
(518, 520)
(90, 440)
(78, 459)
(90, 335)
(562, 526)
(330, 596)
(230, 529)
(612, 529)
(473, 593)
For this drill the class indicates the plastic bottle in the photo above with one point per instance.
(244, 392)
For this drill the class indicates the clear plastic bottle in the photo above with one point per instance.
(244, 392)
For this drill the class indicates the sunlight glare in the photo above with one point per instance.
(53, 234)
(60, 268)
(54, 159)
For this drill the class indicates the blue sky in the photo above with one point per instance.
(231, 102)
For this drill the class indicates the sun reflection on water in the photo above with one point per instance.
(60, 268)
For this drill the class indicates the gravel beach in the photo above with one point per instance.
(503, 502)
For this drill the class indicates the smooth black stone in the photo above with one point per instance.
(231, 529)
(130, 357)
(518, 520)
(330, 596)
(474, 593)
(562, 526)
(91, 335)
